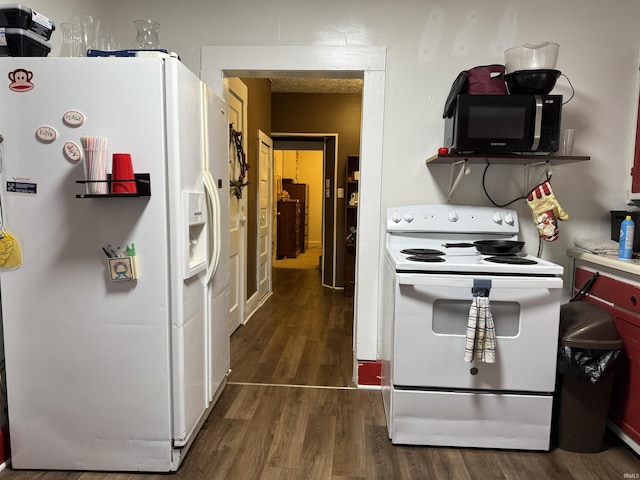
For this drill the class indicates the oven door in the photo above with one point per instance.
(431, 312)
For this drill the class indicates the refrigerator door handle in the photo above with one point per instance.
(213, 222)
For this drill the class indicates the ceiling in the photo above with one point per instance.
(316, 85)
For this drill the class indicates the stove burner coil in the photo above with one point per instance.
(512, 260)
(421, 251)
(425, 258)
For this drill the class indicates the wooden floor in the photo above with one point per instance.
(302, 335)
(289, 412)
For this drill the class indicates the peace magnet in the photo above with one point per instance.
(73, 118)
(46, 134)
(72, 152)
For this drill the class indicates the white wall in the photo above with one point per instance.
(428, 43)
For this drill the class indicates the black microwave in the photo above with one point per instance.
(504, 123)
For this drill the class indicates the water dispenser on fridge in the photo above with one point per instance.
(195, 245)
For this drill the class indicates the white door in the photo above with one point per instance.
(99, 349)
(217, 186)
(265, 209)
(185, 148)
(237, 105)
(263, 228)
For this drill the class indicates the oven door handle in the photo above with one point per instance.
(466, 281)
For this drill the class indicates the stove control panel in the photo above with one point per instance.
(452, 218)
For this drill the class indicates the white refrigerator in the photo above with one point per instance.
(103, 372)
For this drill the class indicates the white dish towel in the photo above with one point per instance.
(598, 246)
(480, 343)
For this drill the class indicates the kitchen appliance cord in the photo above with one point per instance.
(540, 244)
(573, 90)
(484, 188)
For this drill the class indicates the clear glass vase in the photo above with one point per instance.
(70, 40)
(88, 31)
(147, 36)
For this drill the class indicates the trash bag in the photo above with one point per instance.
(586, 364)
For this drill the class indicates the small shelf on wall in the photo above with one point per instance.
(461, 161)
(143, 187)
(351, 221)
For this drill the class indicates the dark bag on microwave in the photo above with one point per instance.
(456, 88)
(486, 80)
(483, 80)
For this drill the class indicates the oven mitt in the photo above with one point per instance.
(546, 211)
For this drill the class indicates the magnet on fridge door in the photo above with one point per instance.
(73, 118)
(72, 152)
(120, 269)
(20, 77)
(46, 134)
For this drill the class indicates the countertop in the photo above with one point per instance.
(611, 261)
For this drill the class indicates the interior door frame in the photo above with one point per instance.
(329, 172)
(367, 62)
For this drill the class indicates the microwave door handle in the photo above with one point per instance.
(538, 124)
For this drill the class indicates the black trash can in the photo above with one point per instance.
(588, 348)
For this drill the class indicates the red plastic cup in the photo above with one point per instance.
(122, 177)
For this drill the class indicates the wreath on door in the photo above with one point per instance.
(237, 184)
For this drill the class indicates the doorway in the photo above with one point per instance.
(367, 62)
(298, 176)
(309, 165)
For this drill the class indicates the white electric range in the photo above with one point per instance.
(431, 395)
